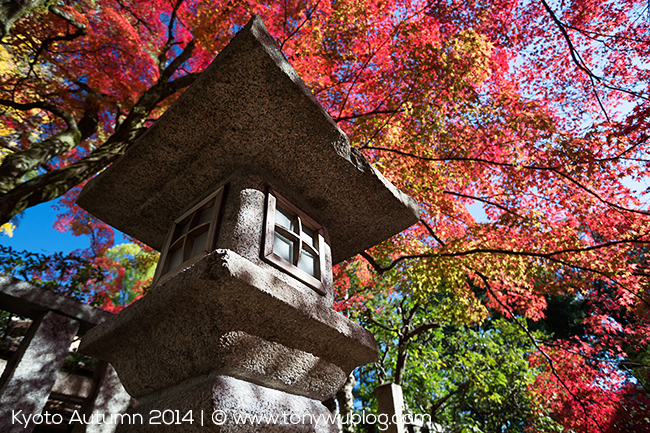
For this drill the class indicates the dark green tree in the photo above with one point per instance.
(467, 377)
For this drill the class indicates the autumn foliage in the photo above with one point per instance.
(519, 127)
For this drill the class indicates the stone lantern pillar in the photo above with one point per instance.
(251, 192)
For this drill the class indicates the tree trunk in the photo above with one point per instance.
(400, 364)
(333, 407)
(52, 185)
(16, 165)
(12, 10)
(346, 403)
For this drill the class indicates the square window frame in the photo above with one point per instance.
(162, 273)
(318, 284)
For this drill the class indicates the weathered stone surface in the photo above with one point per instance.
(249, 109)
(211, 316)
(294, 413)
(66, 384)
(234, 403)
(109, 398)
(242, 228)
(29, 376)
(272, 364)
(73, 385)
(27, 300)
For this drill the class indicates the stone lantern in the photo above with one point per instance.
(250, 192)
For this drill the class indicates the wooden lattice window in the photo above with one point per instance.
(192, 236)
(293, 242)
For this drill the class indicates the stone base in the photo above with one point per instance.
(218, 403)
(228, 316)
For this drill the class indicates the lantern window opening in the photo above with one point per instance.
(192, 236)
(294, 242)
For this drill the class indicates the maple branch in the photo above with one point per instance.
(533, 340)
(363, 67)
(601, 274)
(46, 167)
(162, 57)
(68, 17)
(64, 115)
(382, 326)
(595, 358)
(307, 18)
(621, 155)
(83, 87)
(548, 256)
(52, 185)
(543, 255)
(178, 61)
(555, 169)
(463, 387)
(634, 364)
(421, 329)
(368, 113)
(370, 57)
(577, 60)
(19, 163)
(431, 232)
(386, 121)
(45, 44)
(137, 18)
(600, 102)
(597, 196)
(118, 113)
(572, 50)
(503, 208)
(411, 312)
(184, 81)
(383, 269)
(589, 34)
(152, 97)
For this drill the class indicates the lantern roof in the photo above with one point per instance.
(249, 110)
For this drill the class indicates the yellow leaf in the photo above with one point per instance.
(8, 229)
(7, 64)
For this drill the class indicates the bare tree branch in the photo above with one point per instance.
(67, 117)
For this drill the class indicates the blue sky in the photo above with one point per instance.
(36, 233)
